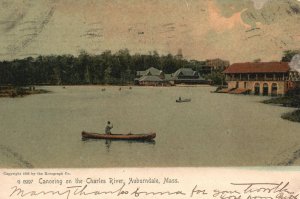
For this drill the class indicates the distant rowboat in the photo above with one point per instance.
(146, 137)
(183, 100)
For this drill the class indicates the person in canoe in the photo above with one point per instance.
(179, 99)
(108, 127)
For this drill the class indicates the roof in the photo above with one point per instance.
(168, 77)
(185, 72)
(140, 73)
(150, 79)
(258, 67)
(150, 71)
(153, 71)
(239, 91)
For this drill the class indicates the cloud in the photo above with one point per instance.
(221, 23)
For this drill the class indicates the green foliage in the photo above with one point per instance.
(107, 75)
(292, 116)
(291, 99)
(288, 101)
(216, 77)
(289, 54)
(109, 68)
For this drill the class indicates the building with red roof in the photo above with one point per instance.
(260, 78)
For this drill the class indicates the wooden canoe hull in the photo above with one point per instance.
(87, 135)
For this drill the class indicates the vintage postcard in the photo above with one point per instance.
(113, 84)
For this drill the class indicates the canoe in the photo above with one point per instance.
(148, 136)
(184, 100)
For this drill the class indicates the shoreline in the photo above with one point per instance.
(128, 86)
(15, 92)
(287, 101)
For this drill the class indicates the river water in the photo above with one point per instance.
(212, 130)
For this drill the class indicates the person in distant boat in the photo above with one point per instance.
(108, 127)
(179, 98)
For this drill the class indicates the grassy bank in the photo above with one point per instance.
(292, 116)
(288, 101)
(20, 92)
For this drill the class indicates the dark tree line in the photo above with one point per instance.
(106, 68)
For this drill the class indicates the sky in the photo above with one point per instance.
(234, 30)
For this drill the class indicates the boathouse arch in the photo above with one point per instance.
(274, 89)
(265, 89)
(256, 88)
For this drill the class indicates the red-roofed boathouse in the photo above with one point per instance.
(261, 78)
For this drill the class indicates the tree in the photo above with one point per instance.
(169, 64)
(217, 78)
(108, 67)
(289, 54)
(107, 75)
(126, 76)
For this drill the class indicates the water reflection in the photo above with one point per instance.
(108, 142)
